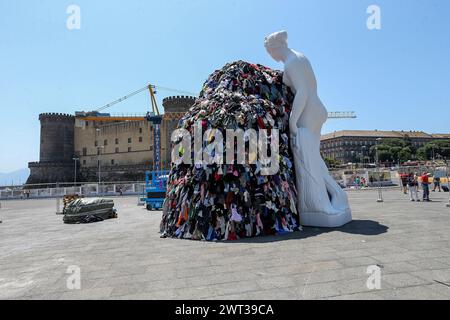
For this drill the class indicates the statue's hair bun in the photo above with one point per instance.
(276, 40)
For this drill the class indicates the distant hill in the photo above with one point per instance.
(16, 177)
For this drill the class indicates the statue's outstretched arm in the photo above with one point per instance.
(295, 73)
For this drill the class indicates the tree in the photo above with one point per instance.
(394, 149)
(384, 155)
(405, 154)
(330, 162)
(421, 154)
(442, 147)
(434, 148)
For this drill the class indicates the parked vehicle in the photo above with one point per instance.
(155, 189)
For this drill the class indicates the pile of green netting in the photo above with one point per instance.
(89, 210)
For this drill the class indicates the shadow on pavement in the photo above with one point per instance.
(361, 227)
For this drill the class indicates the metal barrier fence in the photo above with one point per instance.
(87, 190)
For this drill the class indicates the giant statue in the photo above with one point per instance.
(321, 201)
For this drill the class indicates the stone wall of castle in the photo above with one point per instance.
(56, 150)
(123, 149)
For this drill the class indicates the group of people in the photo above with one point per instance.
(360, 182)
(412, 182)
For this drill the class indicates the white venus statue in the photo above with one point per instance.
(321, 201)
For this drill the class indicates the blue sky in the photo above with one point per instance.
(394, 78)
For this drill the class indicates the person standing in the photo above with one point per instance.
(413, 185)
(437, 183)
(404, 179)
(363, 182)
(425, 186)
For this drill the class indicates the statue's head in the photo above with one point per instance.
(276, 44)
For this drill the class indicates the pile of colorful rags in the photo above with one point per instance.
(231, 201)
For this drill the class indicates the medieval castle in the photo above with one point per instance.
(72, 148)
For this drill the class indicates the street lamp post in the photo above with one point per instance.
(99, 148)
(99, 151)
(363, 152)
(75, 159)
(448, 182)
(380, 192)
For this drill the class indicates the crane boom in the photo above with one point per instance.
(341, 115)
(151, 88)
(152, 91)
(123, 98)
(156, 118)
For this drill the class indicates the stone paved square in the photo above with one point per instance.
(125, 258)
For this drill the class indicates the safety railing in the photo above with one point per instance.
(87, 190)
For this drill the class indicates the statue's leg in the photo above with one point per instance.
(339, 199)
(312, 190)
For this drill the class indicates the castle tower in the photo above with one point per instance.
(174, 108)
(57, 137)
(56, 162)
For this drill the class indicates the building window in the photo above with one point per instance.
(96, 143)
(87, 123)
(84, 151)
(117, 140)
(105, 143)
(129, 140)
(151, 148)
(140, 130)
(140, 139)
(129, 149)
(84, 162)
(112, 161)
(117, 150)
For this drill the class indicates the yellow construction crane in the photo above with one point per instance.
(156, 118)
(154, 105)
(151, 89)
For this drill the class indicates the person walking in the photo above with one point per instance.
(425, 186)
(404, 179)
(363, 182)
(437, 183)
(413, 185)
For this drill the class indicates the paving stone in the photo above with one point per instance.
(399, 280)
(428, 292)
(359, 296)
(87, 294)
(124, 258)
(129, 288)
(442, 275)
(318, 290)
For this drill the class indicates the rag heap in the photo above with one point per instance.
(231, 201)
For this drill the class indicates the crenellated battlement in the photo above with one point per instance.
(178, 103)
(54, 116)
